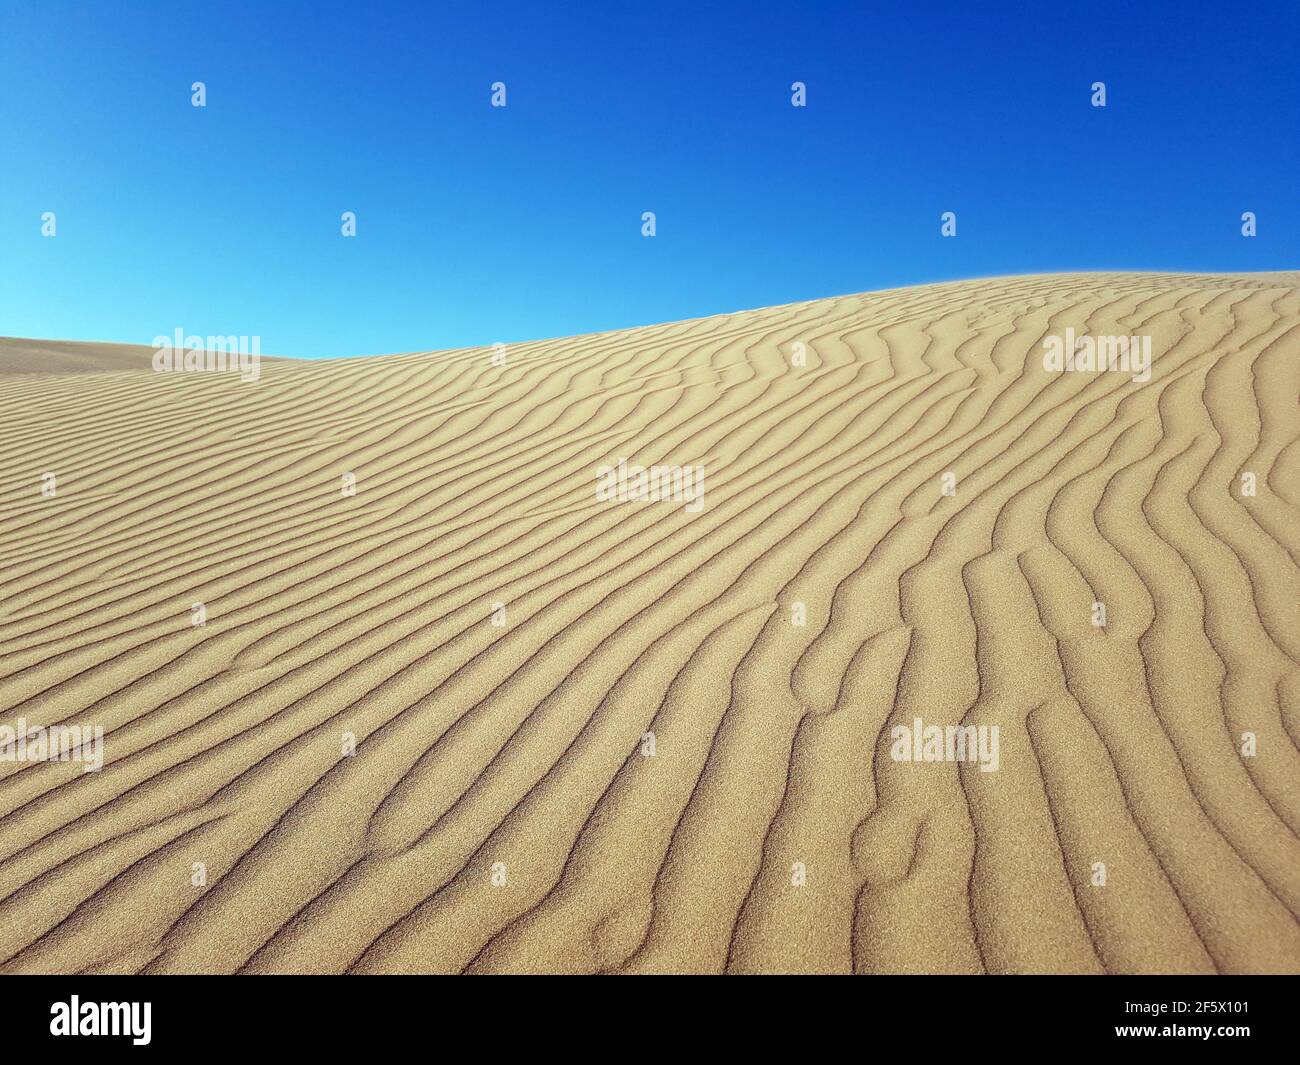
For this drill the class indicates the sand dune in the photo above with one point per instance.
(74, 356)
(500, 642)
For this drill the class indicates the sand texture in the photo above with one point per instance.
(499, 642)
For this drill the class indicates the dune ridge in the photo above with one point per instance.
(500, 643)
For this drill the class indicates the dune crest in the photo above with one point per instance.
(401, 666)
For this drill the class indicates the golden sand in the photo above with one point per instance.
(500, 643)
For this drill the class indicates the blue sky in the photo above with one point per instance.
(478, 224)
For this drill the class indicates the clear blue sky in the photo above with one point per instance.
(478, 224)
